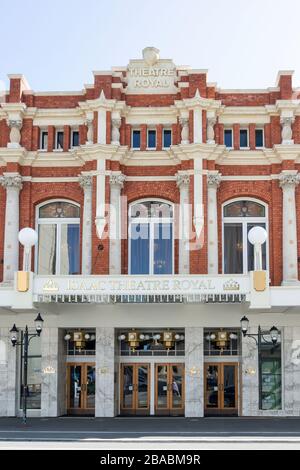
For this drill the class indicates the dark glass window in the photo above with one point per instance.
(44, 140)
(230, 347)
(136, 139)
(233, 248)
(244, 138)
(228, 138)
(59, 144)
(151, 139)
(259, 138)
(244, 209)
(59, 209)
(270, 383)
(75, 139)
(167, 138)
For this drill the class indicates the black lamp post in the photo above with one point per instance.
(27, 337)
(259, 336)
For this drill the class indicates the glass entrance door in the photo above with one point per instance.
(81, 389)
(221, 388)
(135, 389)
(169, 389)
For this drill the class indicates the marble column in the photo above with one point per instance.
(249, 386)
(291, 370)
(116, 184)
(85, 182)
(288, 180)
(8, 374)
(105, 372)
(183, 183)
(12, 182)
(213, 182)
(194, 391)
(53, 400)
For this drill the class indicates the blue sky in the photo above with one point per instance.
(56, 44)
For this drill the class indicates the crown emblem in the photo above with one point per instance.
(231, 285)
(50, 286)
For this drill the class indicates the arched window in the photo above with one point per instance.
(59, 238)
(151, 238)
(239, 217)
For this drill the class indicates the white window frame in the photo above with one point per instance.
(155, 130)
(56, 149)
(228, 129)
(132, 130)
(244, 221)
(59, 221)
(163, 131)
(263, 137)
(71, 138)
(151, 221)
(43, 131)
(248, 145)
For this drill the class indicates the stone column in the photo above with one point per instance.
(249, 386)
(8, 374)
(194, 389)
(183, 183)
(291, 370)
(213, 182)
(105, 372)
(13, 184)
(85, 182)
(184, 122)
(288, 181)
(15, 133)
(53, 400)
(116, 184)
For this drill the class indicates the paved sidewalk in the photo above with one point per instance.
(76, 429)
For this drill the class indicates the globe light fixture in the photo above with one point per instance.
(28, 238)
(257, 236)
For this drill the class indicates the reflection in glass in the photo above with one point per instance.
(233, 248)
(229, 386)
(142, 386)
(251, 249)
(47, 249)
(90, 387)
(162, 386)
(177, 386)
(69, 249)
(128, 386)
(163, 248)
(212, 386)
(75, 386)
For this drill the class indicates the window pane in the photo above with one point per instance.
(251, 249)
(151, 139)
(47, 249)
(259, 140)
(163, 262)
(139, 255)
(59, 140)
(167, 138)
(270, 377)
(34, 374)
(70, 249)
(244, 209)
(228, 138)
(233, 248)
(59, 209)
(243, 138)
(136, 139)
(44, 140)
(75, 139)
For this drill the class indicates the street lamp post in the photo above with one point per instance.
(259, 336)
(24, 343)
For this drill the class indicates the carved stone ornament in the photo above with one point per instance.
(90, 131)
(210, 129)
(182, 179)
(115, 132)
(214, 179)
(14, 182)
(117, 180)
(85, 181)
(15, 128)
(286, 132)
(289, 179)
(184, 122)
(151, 55)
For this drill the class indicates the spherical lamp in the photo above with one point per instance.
(257, 235)
(28, 238)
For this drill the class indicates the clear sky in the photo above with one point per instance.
(57, 44)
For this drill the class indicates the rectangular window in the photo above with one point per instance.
(244, 138)
(59, 140)
(228, 138)
(233, 248)
(69, 249)
(270, 383)
(34, 374)
(259, 138)
(139, 256)
(151, 143)
(250, 251)
(162, 262)
(167, 138)
(47, 249)
(44, 140)
(136, 139)
(75, 139)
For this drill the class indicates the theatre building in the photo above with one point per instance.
(167, 209)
